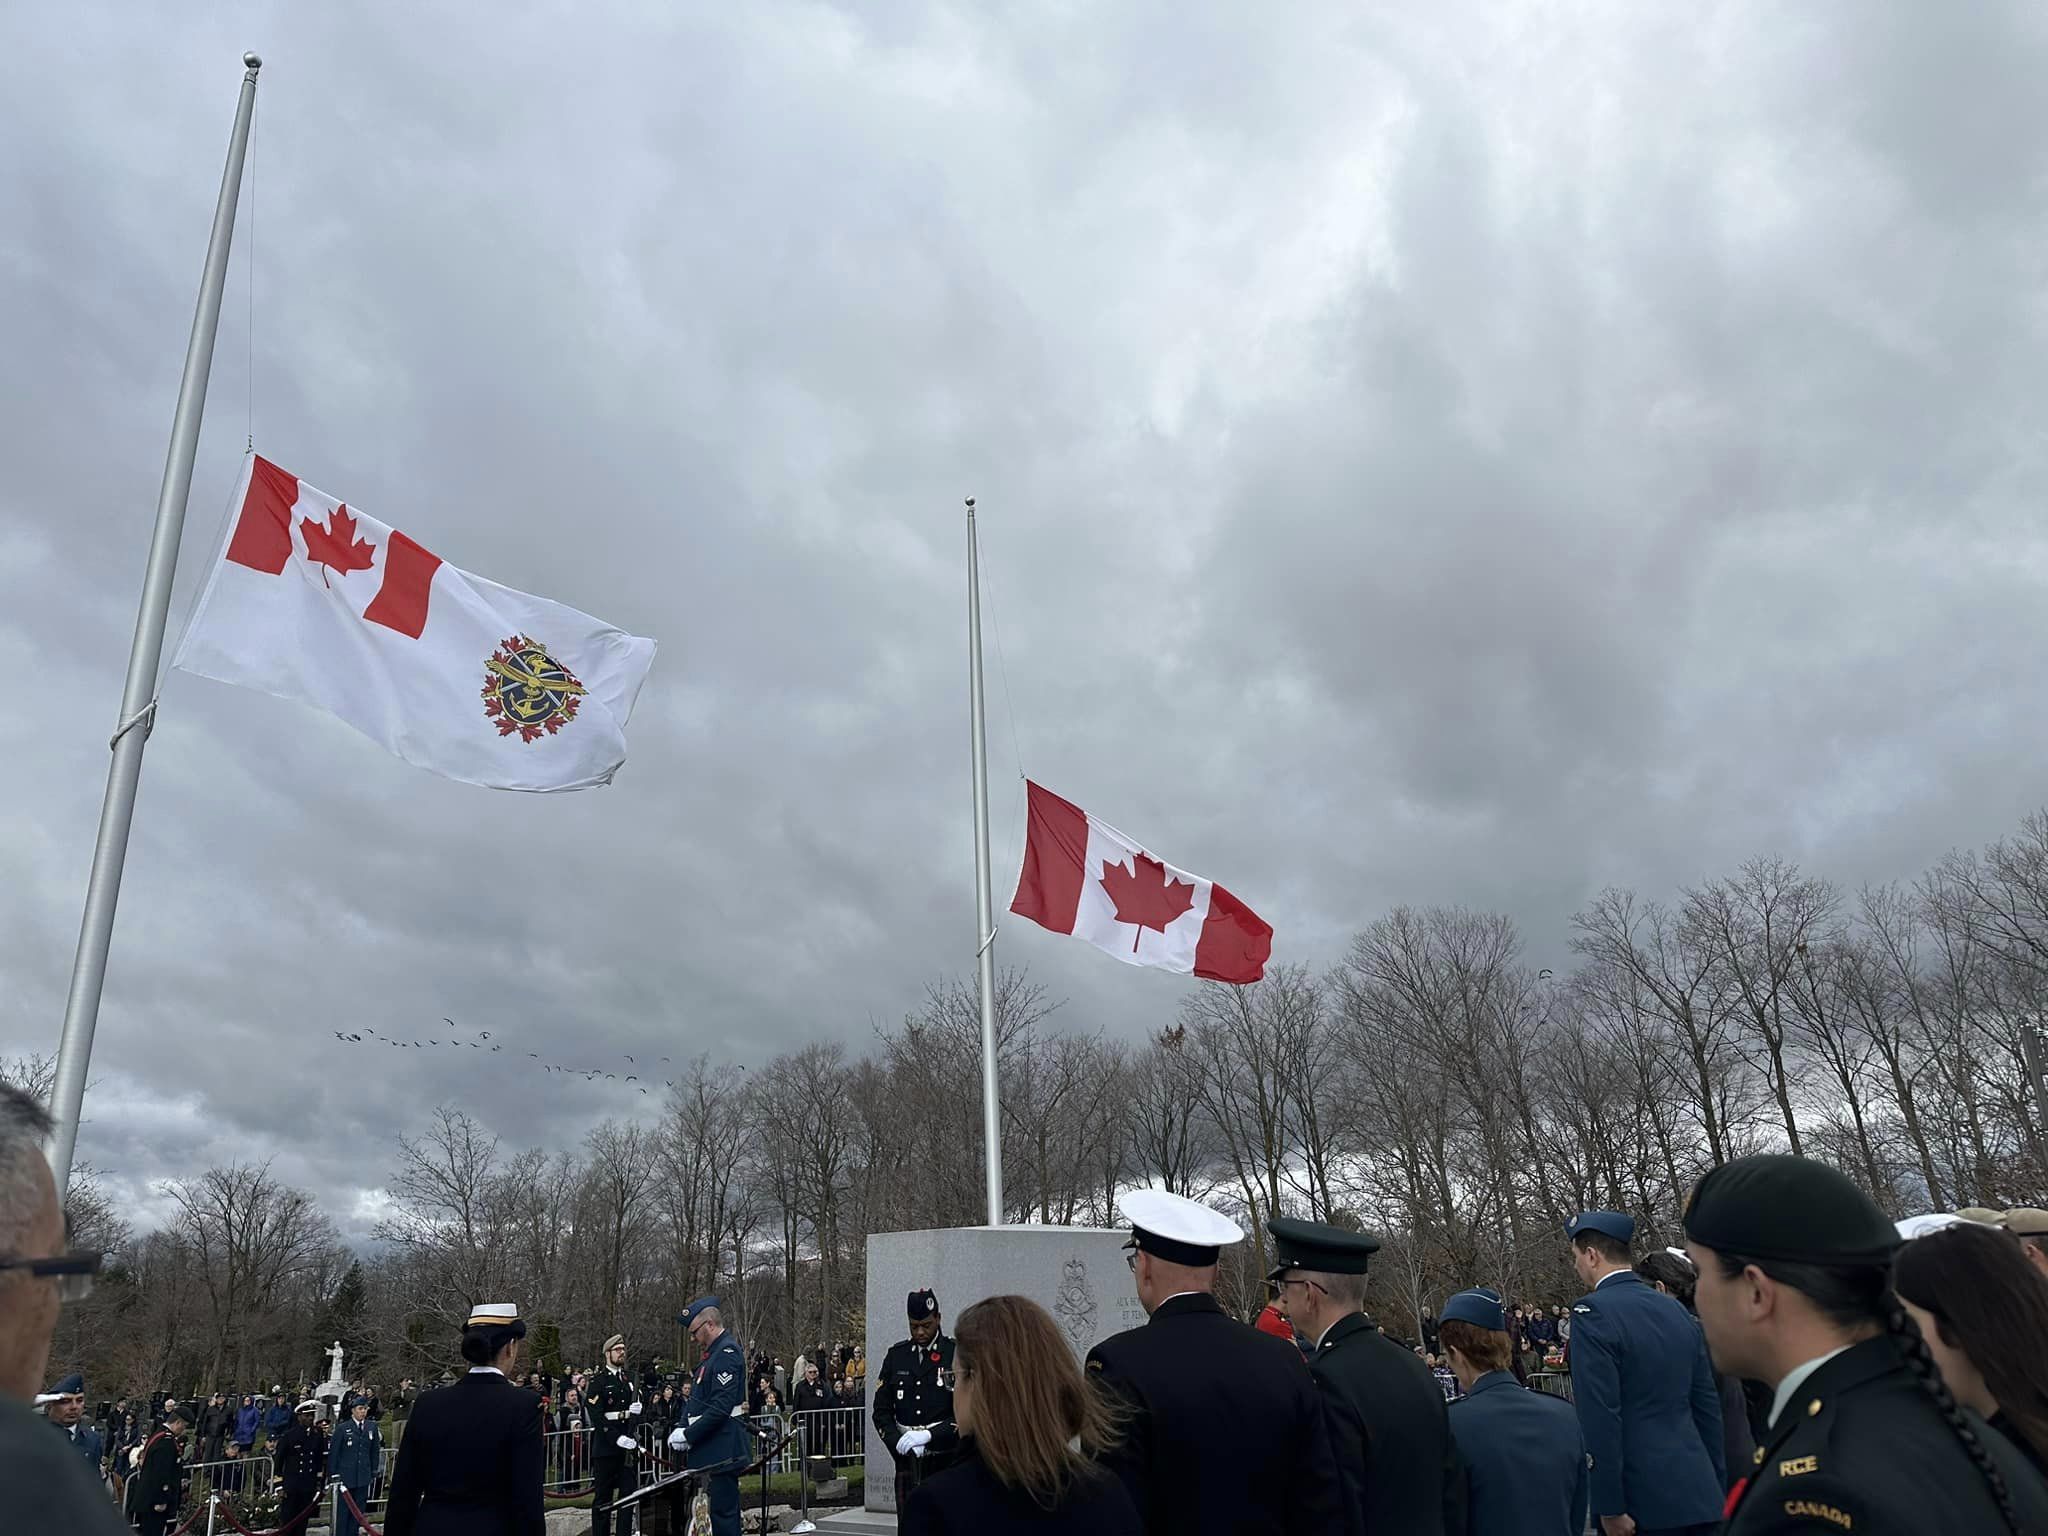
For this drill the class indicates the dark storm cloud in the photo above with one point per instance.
(1475, 457)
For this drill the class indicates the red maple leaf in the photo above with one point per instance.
(1145, 896)
(335, 546)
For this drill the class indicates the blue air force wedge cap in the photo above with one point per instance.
(688, 1316)
(1479, 1307)
(1614, 1224)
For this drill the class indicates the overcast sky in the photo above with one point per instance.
(1450, 453)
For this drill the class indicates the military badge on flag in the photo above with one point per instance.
(311, 600)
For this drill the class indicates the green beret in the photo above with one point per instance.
(1791, 1209)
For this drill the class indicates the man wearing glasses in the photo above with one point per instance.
(48, 1487)
(1388, 1427)
(1225, 1431)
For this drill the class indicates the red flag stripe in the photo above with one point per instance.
(1055, 861)
(263, 532)
(1235, 943)
(401, 602)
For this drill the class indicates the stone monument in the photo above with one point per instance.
(333, 1389)
(1078, 1274)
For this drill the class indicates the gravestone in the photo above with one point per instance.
(1078, 1274)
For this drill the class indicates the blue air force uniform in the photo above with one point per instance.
(356, 1456)
(1646, 1397)
(1522, 1459)
(83, 1437)
(714, 1432)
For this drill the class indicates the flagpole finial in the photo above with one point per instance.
(252, 61)
(970, 503)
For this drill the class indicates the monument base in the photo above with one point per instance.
(1078, 1274)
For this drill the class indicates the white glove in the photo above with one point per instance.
(918, 1449)
(913, 1441)
(635, 1408)
(627, 1443)
(677, 1439)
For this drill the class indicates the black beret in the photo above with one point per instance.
(1791, 1209)
(922, 1304)
(1318, 1246)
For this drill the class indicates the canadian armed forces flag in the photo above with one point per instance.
(310, 600)
(1082, 876)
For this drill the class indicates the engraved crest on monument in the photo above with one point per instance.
(1075, 1304)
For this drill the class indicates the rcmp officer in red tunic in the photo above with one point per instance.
(913, 1407)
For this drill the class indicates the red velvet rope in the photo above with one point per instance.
(357, 1510)
(281, 1530)
(194, 1520)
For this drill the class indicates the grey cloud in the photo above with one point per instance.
(1471, 455)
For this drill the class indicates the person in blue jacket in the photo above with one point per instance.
(277, 1418)
(1644, 1390)
(713, 1434)
(248, 1420)
(356, 1457)
(1523, 1460)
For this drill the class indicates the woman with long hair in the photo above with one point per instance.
(1032, 1431)
(1674, 1275)
(1983, 1309)
(1795, 1290)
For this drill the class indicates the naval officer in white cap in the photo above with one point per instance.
(1226, 1429)
(471, 1462)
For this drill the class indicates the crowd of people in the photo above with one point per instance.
(1800, 1364)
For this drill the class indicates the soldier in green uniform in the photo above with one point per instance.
(1795, 1291)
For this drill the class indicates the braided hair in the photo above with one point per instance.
(1856, 1295)
(1919, 1360)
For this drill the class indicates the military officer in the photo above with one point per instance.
(1388, 1433)
(615, 1408)
(66, 1410)
(713, 1433)
(913, 1404)
(1523, 1459)
(1226, 1429)
(1795, 1290)
(472, 1461)
(1644, 1390)
(156, 1488)
(299, 1461)
(355, 1456)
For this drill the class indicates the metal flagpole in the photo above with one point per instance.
(984, 902)
(138, 694)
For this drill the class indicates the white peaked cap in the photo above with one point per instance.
(1920, 1226)
(1178, 1218)
(493, 1313)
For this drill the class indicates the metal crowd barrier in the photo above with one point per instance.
(1555, 1383)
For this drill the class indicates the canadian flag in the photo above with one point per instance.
(310, 600)
(1082, 876)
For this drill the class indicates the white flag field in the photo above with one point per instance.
(310, 600)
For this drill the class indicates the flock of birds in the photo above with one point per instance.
(483, 1042)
